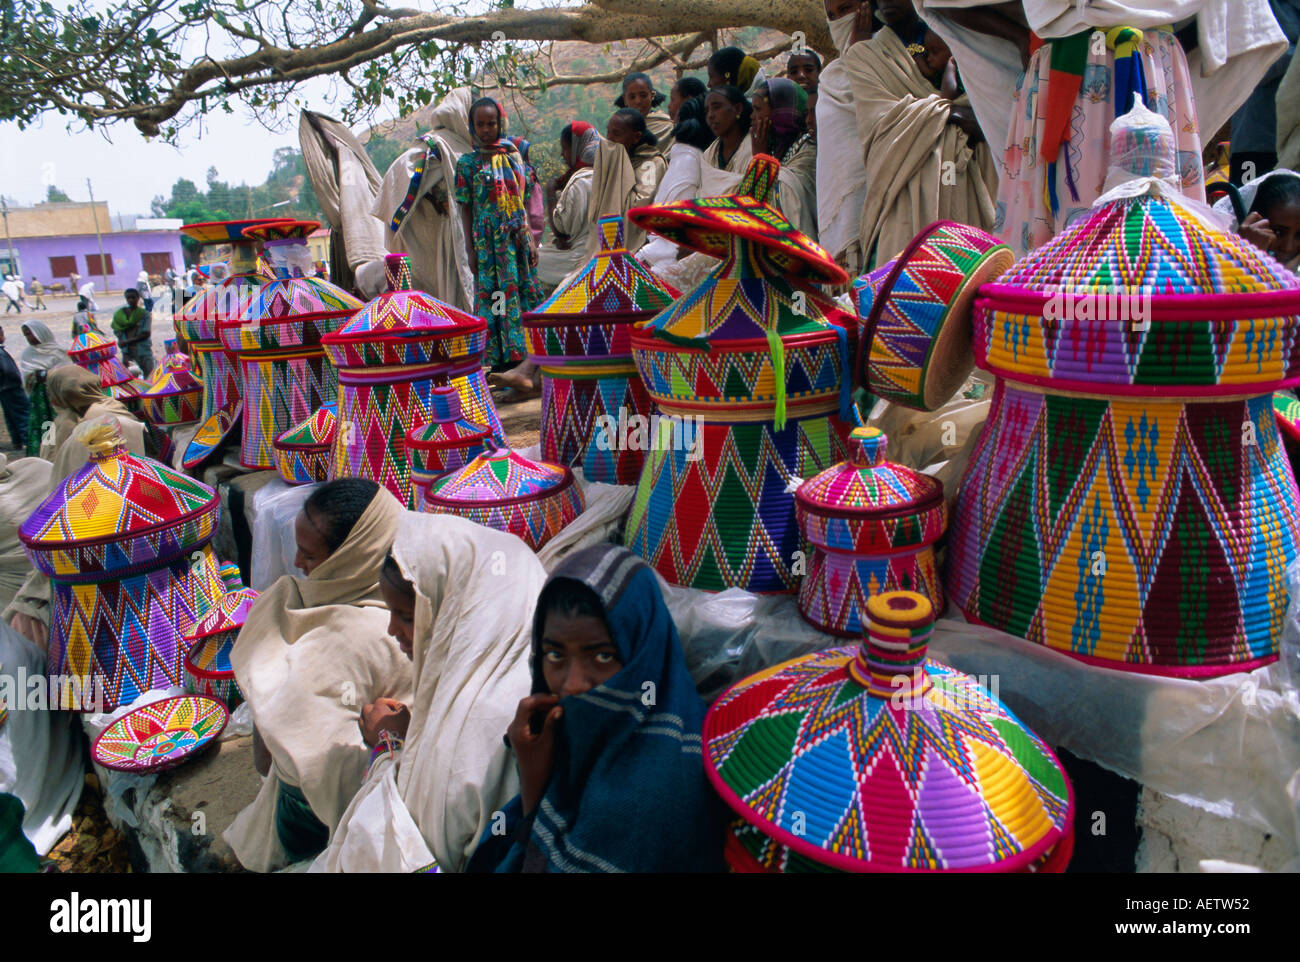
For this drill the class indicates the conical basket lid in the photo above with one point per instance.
(876, 759)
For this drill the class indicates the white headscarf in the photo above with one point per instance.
(43, 356)
(475, 590)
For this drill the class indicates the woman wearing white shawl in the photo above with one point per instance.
(841, 173)
(23, 486)
(922, 165)
(416, 205)
(314, 650)
(569, 215)
(432, 799)
(1196, 90)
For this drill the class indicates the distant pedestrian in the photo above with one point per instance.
(13, 399)
(146, 290)
(74, 283)
(133, 325)
(10, 289)
(82, 319)
(87, 290)
(38, 295)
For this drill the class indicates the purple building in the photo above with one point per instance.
(52, 259)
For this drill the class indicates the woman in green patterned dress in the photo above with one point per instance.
(491, 189)
(42, 353)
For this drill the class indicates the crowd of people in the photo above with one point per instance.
(992, 115)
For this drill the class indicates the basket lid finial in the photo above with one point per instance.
(891, 659)
(868, 446)
(103, 436)
(611, 233)
(397, 273)
(444, 402)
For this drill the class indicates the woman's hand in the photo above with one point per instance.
(864, 23)
(1257, 230)
(562, 242)
(964, 118)
(532, 249)
(384, 714)
(950, 87)
(534, 753)
(760, 133)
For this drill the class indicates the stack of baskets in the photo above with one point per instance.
(753, 371)
(98, 355)
(125, 542)
(580, 339)
(1129, 501)
(277, 340)
(390, 357)
(448, 442)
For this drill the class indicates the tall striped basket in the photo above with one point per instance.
(390, 357)
(277, 339)
(873, 758)
(447, 443)
(1129, 501)
(196, 329)
(580, 338)
(208, 670)
(915, 348)
(502, 489)
(751, 372)
(125, 543)
(872, 526)
(98, 355)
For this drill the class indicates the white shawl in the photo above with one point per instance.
(841, 173)
(434, 241)
(475, 593)
(680, 181)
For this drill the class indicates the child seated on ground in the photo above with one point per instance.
(608, 742)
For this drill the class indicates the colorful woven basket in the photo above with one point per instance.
(1128, 501)
(390, 357)
(125, 542)
(580, 338)
(98, 355)
(448, 442)
(174, 398)
(277, 339)
(302, 454)
(916, 314)
(873, 758)
(504, 490)
(173, 359)
(196, 327)
(752, 369)
(211, 436)
(871, 525)
(207, 665)
(1287, 411)
(160, 735)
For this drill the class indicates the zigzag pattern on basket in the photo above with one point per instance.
(227, 301)
(611, 283)
(834, 592)
(504, 490)
(302, 454)
(98, 355)
(573, 433)
(683, 381)
(174, 398)
(447, 443)
(223, 385)
(1287, 410)
(290, 312)
(212, 431)
(160, 735)
(129, 632)
(807, 750)
(1148, 535)
(279, 394)
(915, 312)
(373, 423)
(714, 507)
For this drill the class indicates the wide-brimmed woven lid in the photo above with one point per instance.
(278, 230)
(315, 433)
(614, 286)
(212, 433)
(710, 225)
(875, 759)
(115, 496)
(499, 476)
(227, 231)
(293, 299)
(91, 343)
(401, 312)
(227, 615)
(868, 486)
